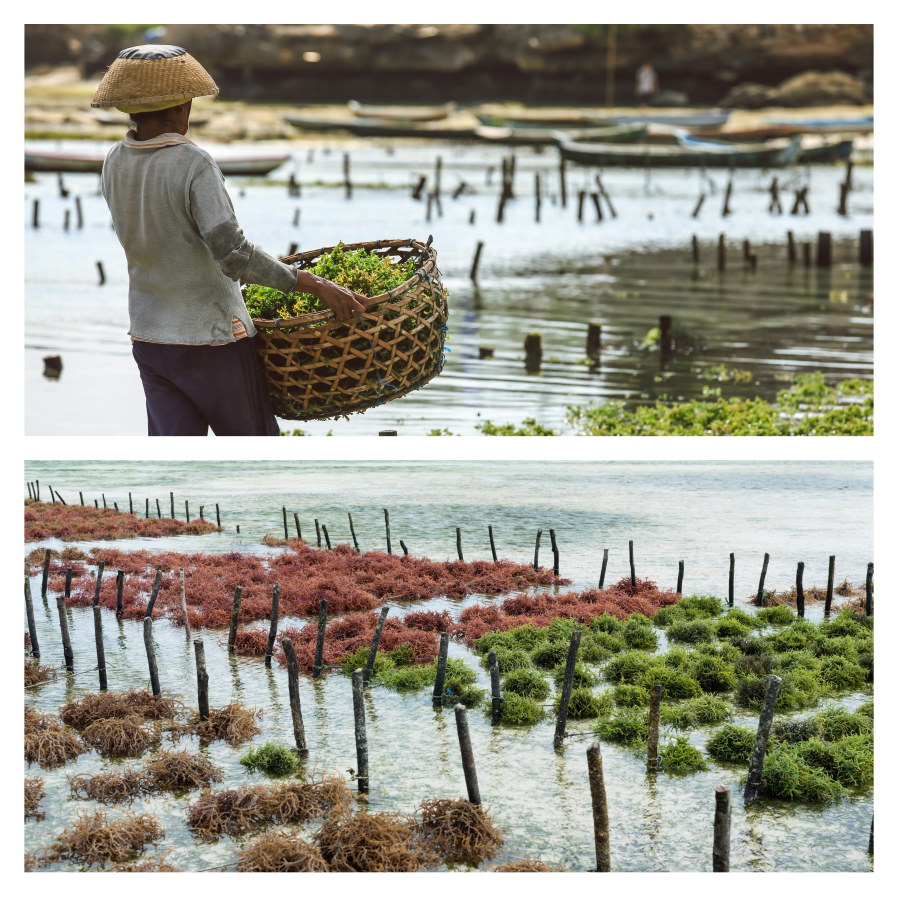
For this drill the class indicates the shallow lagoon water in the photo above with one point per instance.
(698, 512)
(552, 277)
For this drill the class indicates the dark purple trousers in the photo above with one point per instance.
(190, 389)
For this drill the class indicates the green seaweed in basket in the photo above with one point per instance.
(365, 273)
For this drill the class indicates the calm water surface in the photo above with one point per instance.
(699, 512)
(553, 276)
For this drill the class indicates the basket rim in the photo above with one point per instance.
(325, 316)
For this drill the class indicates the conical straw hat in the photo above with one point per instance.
(151, 77)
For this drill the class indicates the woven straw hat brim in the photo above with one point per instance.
(134, 83)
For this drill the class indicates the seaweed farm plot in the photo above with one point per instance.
(197, 758)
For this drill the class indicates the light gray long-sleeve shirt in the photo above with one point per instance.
(184, 247)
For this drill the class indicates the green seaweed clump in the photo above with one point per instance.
(702, 710)
(527, 683)
(271, 758)
(517, 710)
(841, 674)
(730, 626)
(788, 776)
(775, 615)
(509, 660)
(630, 725)
(796, 731)
(680, 757)
(549, 655)
(694, 632)
(838, 723)
(639, 634)
(631, 695)
(704, 603)
(713, 673)
(850, 761)
(629, 667)
(581, 677)
(583, 704)
(676, 685)
(731, 743)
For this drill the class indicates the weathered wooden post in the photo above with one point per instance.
(555, 550)
(680, 576)
(495, 687)
(594, 337)
(359, 725)
(537, 547)
(187, 514)
(373, 650)
(762, 580)
(318, 533)
(218, 518)
(537, 196)
(202, 680)
(273, 626)
(284, 516)
(731, 579)
(563, 711)
(294, 695)
(404, 548)
(754, 777)
(151, 655)
(172, 503)
(653, 732)
(184, 612)
(801, 600)
(870, 572)
(45, 577)
(120, 587)
(130, 504)
(722, 830)
(792, 248)
(631, 561)
(599, 807)
(459, 552)
(29, 612)
(872, 836)
(823, 250)
(352, 532)
(99, 583)
(534, 350)
(866, 245)
(387, 531)
(491, 536)
(297, 526)
(603, 568)
(829, 592)
(98, 641)
(68, 583)
(327, 539)
(320, 637)
(64, 629)
(721, 253)
(437, 697)
(468, 757)
(695, 249)
(562, 180)
(154, 593)
(235, 611)
(473, 272)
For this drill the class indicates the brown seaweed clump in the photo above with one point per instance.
(299, 801)
(31, 862)
(120, 737)
(524, 865)
(35, 673)
(94, 838)
(112, 787)
(371, 842)
(34, 791)
(151, 864)
(90, 707)
(48, 742)
(234, 723)
(281, 851)
(232, 811)
(178, 770)
(458, 831)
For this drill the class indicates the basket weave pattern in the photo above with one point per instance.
(318, 368)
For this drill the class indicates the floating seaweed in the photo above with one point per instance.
(94, 838)
(35, 673)
(234, 723)
(140, 704)
(280, 851)
(48, 742)
(178, 770)
(296, 802)
(119, 786)
(232, 811)
(458, 831)
(34, 791)
(120, 737)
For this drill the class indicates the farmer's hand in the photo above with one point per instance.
(343, 302)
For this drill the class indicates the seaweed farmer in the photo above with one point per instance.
(192, 337)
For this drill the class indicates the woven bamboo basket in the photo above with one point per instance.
(318, 368)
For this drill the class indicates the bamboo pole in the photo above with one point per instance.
(537, 547)
(459, 552)
(352, 532)
(387, 530)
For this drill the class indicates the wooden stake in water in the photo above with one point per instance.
(754, 778)
(762, 581)
(99, 583)
(653, 733)
(151, 655)
(130, 504)
(373, 650)
(599, 807)
(273, 625)
(603, 568)
(327, 539)
(98, 640)
(473, 272)
(870, 573)
(284, 514)
(801, 600)
(64, 630)
(437, 697)
(722, 830)
(297, 525)
(29, 612)
(562, 180)
(352, 532)
(680, 576)
(563, 711)
(147, 509)
(403, 548)
(46, 574)
(187, 515)
(631, 560)
(120, 587)
(359, 726)
(320, 637)
(218, 520)
(468, 757)
(387, 530)
(459, 544)
(491, 536)
(294, 695)
(537, 548)
(829, 592)
(154, 593)
(202, 680)
(731, 580)
(158, 510)
(68, 583)
(235, 612)
(172, 502)
(555, 550)
(318, 533)
(184, 614)
(495, 687)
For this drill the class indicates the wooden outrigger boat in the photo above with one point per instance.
(617, 134)
(770, 155)
(864, 125)
(402, 113)
(381, 128)
(45, 161)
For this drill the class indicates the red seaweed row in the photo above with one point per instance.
(86, 523)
